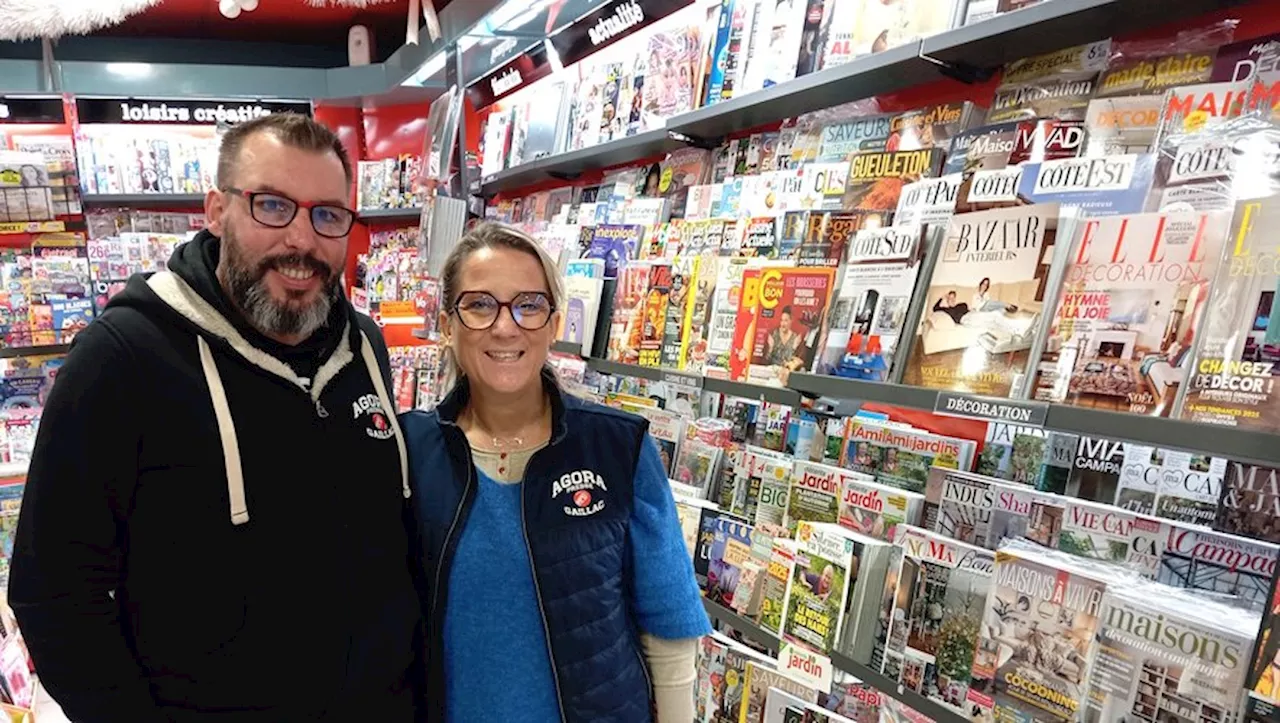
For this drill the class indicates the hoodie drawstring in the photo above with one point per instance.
(227, 433)
(231, 445)
(371, 363)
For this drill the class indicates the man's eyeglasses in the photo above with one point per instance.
(277, 210)
(479, 310)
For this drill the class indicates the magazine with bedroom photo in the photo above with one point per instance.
(985, 301)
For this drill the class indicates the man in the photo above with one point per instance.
(212, 527)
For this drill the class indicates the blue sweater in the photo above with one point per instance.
(494, 641)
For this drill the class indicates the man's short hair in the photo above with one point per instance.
(292, 129)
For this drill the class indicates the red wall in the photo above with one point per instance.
(373, 134)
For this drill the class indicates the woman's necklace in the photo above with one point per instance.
(513, 443)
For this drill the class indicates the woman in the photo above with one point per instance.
(555, 576)
(982, 295)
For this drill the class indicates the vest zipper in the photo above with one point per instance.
(448, 536)
(537, 590)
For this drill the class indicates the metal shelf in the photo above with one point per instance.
(971, 49)
(654, 374)
(891, 688)
(564, 347)
(11, 352)
(1261, 447)
(390, 214)
(775, 395)
(566, 166)
(1049, 26)
(884, 72)
(143, 200)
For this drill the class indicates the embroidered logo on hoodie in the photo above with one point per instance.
(377, 424)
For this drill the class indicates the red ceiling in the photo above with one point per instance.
(289, 21)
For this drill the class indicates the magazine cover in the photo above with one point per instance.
(1263, 702)
(626, 321)
(760, 680)
(819, 597)
(776, 587)
(939, 596)
(1052, 85)
(876, 179)
(1190, 486)
(983, 511)
(1103, 532)
(1250, 502)
(827, 238)
(870, 310)
(816, 490)
(877, 510)
(789, 321)
(1134, 293)
(1233, 380)
(1095, 469)
(1200, 559)
(985, 301)
(841, 140)
(1138, 486)
(930, 127)
(616, 244)
(900, 457)
(1036, 640)
(1013, 453)
(731, 547)
(1165, 657)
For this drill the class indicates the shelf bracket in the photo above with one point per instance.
(963, 72)
(565, 175)
(707, 144)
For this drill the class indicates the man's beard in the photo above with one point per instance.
(246, 285)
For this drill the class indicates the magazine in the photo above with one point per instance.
(1037, 638)
(1250, 502)
(1134, 292)
(760, 680)
(871, 307)
(1233, 380)
(1138, 486)
(1190, 486)
(1164, 657)
(1095, 471)
(985, 301)
(731, 547)
(1103, 532)
(1199, 559)
(983, 511)
(941, 589)
(834, 588)
(877, 510)
(816, 490)
(789, 320)
(900, 457)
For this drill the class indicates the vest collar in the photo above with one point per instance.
(453, 404)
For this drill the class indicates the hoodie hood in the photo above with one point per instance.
(179, 301)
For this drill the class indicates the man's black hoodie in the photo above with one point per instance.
(212, 528)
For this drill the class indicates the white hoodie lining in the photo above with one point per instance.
(182, 298)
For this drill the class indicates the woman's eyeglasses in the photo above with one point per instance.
(479, 310)
(277, 210)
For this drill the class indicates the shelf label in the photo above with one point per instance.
(806, 666)
(510, 77)
(1017, 411)
(181, 112)
(32, 110)
(16, 227)
(609, 24)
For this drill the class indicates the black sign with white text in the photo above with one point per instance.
(185, 112)
(32, 110)
(1015, 411)
(607, 25)
(509, 78)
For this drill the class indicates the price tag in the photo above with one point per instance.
(1016, 411)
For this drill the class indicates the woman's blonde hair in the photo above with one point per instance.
(489, 235)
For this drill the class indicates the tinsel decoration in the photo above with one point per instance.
(32, 19)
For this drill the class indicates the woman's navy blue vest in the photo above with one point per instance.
(576, 504)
